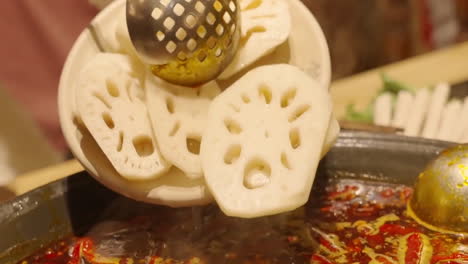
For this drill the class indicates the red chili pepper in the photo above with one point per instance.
(230, 255)
(454, 257)
(414, 250)
(326, 209)
(346, 194)
(405, 194)
(387, 193)
(293, 239)
(50, 254)
(328, 245)
(394, 229)
(354, 245)
(83, 247)
(375, 240)
(383, 260)
(318, 259)
(365, 211)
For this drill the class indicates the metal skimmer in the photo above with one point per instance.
(186, 42)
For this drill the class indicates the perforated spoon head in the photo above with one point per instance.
(440, 198)
(186, 42)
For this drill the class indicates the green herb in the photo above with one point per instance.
(366, 116)
(392, 86)
(389, 85)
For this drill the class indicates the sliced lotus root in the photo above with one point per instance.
(175, 189)
(265, 24)
(110, 101)
(263, 141)
(178, 115)
(115, 34)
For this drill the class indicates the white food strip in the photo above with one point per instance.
(417, 112)
(383, 110)
(402, 108)
(450, 121)
(462, 124)
(438, 101)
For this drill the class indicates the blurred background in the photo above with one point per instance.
(37, 35)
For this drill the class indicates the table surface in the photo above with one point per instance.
(447, 65)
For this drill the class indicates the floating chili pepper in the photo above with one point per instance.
(454, 258)
(387, 193)
(395, 229)
(415, 248)
(318, 259)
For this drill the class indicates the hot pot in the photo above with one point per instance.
(78, 204)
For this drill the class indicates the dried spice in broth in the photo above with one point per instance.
(346, 222)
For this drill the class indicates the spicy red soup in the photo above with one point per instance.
(348, 222)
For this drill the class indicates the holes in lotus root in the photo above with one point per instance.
(200, 7)
(294, 138)
(265, 92)
(108, 120)
(250, 32)
(120, 142)
(257, 174)
(143, 146)
(112, 88)
(102, 100)
(170, 105)
(218, 6)
(284, 161)
(287, 98)
(299, 112)
(245, 98)
(175, 129)
(157, 13)
(253, 5)
(169, 23)
(232, 154)
(210, 18)
(232, 126)
(193, 145)
(178, 9)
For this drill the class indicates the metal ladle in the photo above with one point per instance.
(440, 198)
(186, 42)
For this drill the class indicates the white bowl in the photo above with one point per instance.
(306, 49)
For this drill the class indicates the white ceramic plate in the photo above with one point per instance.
(306, 49)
